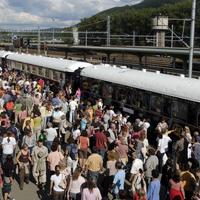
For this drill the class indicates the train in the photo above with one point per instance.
(137, 92)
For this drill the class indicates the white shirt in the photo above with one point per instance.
(57, 180)
(8, 146)
(51, 134)
(163, 143)
(73, 105)
(76, 134)
(75, 186)
(137, 164)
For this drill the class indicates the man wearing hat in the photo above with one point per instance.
(39, 155)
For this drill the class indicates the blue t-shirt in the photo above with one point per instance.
(154, 190)
(118, 181)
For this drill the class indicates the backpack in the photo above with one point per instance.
(73, 152)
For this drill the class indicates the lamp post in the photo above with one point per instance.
(192, 35)
(53, 19)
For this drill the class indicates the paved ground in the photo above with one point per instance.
(30, 192)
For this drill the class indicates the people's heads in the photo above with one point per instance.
(49, 124)
(54, 147)
(151, 151)
(84, 133)
(25, 147)
(155, 173)
(76, 173)
(57, 170)
(40, 143)
(176, 177)
(118, 165)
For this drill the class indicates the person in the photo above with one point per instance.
(119, 179)
(150, 164)
(75, 184)
(8, 145)
(39, 155)
(84, 143)
(176, 188)
(8, 169)
(94, 165)
(54, 158)
(30, 140)
(55, 188)
(101, 141)
(73, 106)
(23, 158)
(154, 186)
(91, 192)
(51, 134)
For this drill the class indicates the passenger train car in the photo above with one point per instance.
(153, 94)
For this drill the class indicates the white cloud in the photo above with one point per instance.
(64, 12)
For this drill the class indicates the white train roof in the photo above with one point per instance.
(3, 54)
(48, 62)
(170, 85)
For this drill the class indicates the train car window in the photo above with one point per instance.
(40, 71)
(198, 119)
(23, 67)
(34, 70)
(179, 109)
(167, 106)
(156, 103)
(144, 99)
(55, 75)
(18, 65)
(29, 68)
(115, 93)
(47, 73)
(193, 110)
(107, 91)
(134, 98)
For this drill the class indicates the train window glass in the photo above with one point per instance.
(167, 106)
(40, 71)
(107, 90)
(34, 69)
(29, 68)
(156, 103)
(179, 109)
(55, 75)
(134, 98)
(115, 94)
(198, 119)
(18, 65)
(23, 67)
(144, 99)
(193, 110)
(47, 73)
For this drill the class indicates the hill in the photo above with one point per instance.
(125, 20)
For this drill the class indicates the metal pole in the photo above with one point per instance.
(133, 38)
(38, 39)
(183, 31)
(53, 35)
(172, 36)
(108, 31)
(192, 35)
(86, 38)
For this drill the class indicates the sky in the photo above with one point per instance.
(52, 13)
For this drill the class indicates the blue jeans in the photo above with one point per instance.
(49, 144)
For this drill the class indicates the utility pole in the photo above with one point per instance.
(86, 38)
(39, 40)
(133, 38)
(108, 31)
(172, 35)
(192, 35)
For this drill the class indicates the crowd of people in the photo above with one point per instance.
(75, 148)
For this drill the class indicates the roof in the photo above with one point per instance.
(3, 54)
(48, 62)
(175, 86)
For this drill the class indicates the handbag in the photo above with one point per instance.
(63, 183)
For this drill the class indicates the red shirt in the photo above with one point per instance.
(101, 139)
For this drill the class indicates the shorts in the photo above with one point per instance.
(82, 154)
